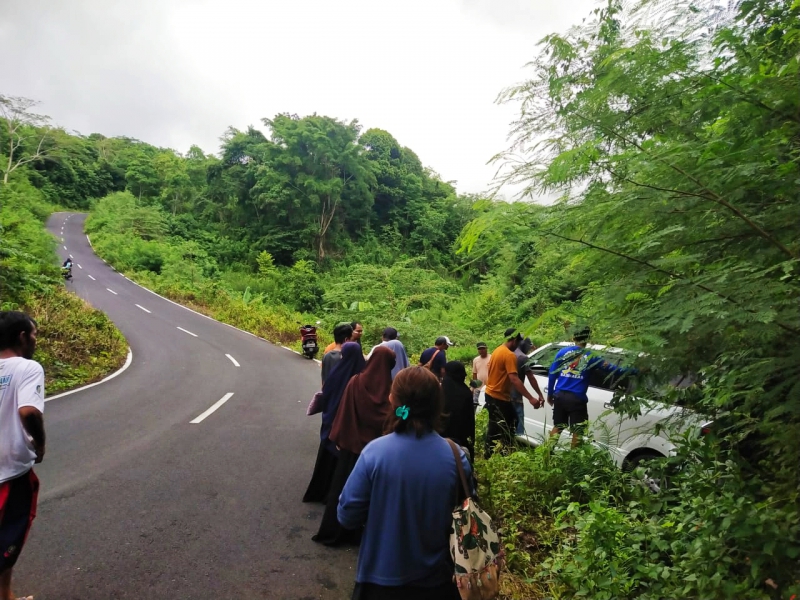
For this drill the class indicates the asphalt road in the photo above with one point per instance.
(139, 502)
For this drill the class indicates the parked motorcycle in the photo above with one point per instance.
(308, 336)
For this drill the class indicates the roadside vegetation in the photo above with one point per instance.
(667, 135)
(77, 344)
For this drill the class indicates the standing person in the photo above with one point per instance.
(350, 364)
(358, 331)
(502, 377)
(435, 358)
(341, 333)
(389, 339)
(524, 371)
(389, 334)
(360, 419)
(568, 383)
(480, 370)
(402, 491)
(459, 412)
(401, 358)
(22, 438)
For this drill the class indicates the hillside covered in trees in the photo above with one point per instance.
(670, 132)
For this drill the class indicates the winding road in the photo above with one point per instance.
(181, 477)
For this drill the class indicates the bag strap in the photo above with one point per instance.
(461, 474)
(428, 365)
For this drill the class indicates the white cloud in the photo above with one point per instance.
(176, 72)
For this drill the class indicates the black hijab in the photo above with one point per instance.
(458, 408)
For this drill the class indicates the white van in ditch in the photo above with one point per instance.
(629, 440)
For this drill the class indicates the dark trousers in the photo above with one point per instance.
(502, 424)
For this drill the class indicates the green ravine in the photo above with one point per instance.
(668, 135)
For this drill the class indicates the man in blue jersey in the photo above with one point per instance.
(569, 382)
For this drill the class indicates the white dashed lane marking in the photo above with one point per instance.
(92, 278)
(213, 407)
(233, 360)
(143, 308)
(112, 291)
(79, 266)
(65, 247)
(190, 333)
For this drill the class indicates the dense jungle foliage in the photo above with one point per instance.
(669, 134)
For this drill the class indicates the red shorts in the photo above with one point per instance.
(18, 499)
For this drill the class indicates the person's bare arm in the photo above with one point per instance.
(520, 387)
(33, 422)
(535, 385)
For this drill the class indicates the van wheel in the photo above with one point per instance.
(631, 463)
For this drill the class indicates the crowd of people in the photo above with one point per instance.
(386, 471)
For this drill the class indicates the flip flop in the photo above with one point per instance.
(26, 598)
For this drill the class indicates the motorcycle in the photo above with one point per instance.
(66, 273)
(308, 336)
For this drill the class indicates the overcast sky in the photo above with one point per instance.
(179, 72)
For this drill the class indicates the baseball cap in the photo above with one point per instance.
(482, 345)
(582, 334)
(390, 333)
(443, 339)
(512, 333)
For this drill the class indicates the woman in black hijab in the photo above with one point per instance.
(458, 408)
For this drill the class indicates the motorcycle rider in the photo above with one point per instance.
(66, 268)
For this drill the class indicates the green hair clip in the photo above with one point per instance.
(402, 412)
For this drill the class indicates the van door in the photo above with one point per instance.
(538, 422)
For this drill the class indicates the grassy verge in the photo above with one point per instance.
(77, 344)
(273, 322)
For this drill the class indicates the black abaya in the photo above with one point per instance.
(324, 469)
(330, 532)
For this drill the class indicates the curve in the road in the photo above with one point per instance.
(181, 477)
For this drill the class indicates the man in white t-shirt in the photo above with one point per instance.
(21, 437)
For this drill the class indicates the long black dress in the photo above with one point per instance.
(350, 364)
(458, 407)
(331, 533)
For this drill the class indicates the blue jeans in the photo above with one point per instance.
(520, 408)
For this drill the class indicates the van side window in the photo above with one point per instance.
(542, 359)
(605, 380)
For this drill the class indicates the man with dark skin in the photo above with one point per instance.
(501, 379)
(435, 357)
(22, 438)
(358, 331)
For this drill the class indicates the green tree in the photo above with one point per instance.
(314, 176)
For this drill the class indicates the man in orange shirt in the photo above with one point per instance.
(501, 379)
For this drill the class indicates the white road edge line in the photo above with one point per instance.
(127, 364)
(187, 331)
(233, 360)
(90, 242)
(213, 407)
(199, 314)
(143, 308)
(92, 278)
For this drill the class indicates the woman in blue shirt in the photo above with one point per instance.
(403, 490)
